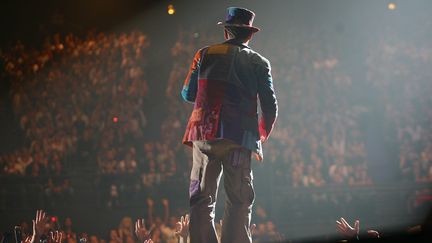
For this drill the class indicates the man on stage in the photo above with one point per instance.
(225, 82)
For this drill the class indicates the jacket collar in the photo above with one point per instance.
(236, 42)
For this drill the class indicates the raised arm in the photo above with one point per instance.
(165, 204)
(150, 210)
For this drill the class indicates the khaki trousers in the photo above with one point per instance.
(210, 160)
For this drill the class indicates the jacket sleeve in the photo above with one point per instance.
(268, 102)
(190, 85)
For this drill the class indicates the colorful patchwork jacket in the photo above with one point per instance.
(225, 83)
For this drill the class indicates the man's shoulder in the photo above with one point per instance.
(262, 58)
(259, 58)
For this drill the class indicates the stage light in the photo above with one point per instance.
(115, 119)
(391, 6)
(171, 9)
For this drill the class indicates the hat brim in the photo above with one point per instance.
(252, 28)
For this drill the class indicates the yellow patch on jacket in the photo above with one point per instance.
(218, 49)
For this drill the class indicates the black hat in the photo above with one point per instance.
(239, 17)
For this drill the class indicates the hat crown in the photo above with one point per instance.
(236, 15)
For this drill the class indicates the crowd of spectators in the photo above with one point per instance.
(399, 71)
(66, 94)
(81, 100)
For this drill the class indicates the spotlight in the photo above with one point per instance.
(391, 6)
(171, 9)
(115, 119)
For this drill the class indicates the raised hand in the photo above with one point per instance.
(28, 239)
(182, 227)
(165, 202)
(373, 233)
(39, 223)
(38, 226)
(150, 202)
(345, 229)
(141, 232)
(56, 237)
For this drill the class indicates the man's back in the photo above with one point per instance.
(229, 78)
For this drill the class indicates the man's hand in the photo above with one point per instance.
(219, 230)
(345, 229)
(56, 237)
(141, 232)
(263, 138)
(258, 157)
(182, 227)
